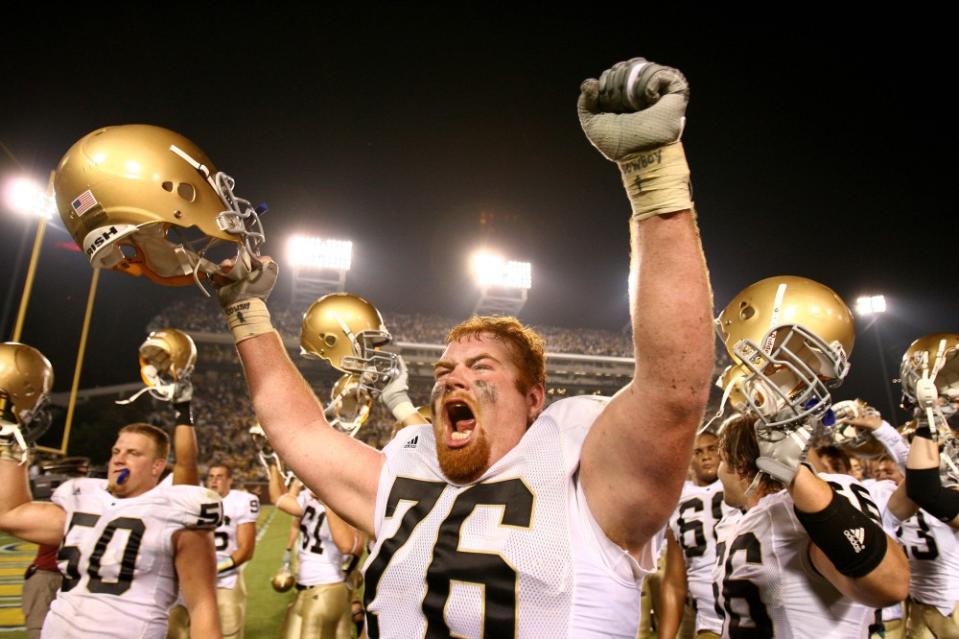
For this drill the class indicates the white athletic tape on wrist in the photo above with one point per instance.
(403, 410)
(248, 318)
(657, 181)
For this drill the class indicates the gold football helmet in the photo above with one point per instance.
(935, 356)
(794, 336)
(283, 579)
(856, 441)
(26, 379)
(347, 331)
(350, 405)
(127, 194)
(167, 359)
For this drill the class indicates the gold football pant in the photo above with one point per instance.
(926, 622)
(231, 605)
(319, 612)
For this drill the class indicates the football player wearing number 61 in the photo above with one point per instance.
(321, 609)
(125, 542)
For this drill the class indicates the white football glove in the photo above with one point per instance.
(781, 452)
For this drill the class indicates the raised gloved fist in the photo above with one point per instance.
(635, 106)
(634, 115)
(243, 281)
(781, 452)
(242, 293)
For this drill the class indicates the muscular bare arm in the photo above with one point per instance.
(185, 451)
(658, 412)
(37, 522)
(341, 471)
(195, 562)
(673, 590)
(886, 584)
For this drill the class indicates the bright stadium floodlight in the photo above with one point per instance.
(490, 269)
(314, 252)
(871, 305)
(503, 283)
(25, 196)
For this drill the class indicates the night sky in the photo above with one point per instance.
(817, 149)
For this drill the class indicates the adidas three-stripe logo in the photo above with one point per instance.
(856, 537)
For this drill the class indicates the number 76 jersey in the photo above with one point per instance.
(117, 557)
(516, 554)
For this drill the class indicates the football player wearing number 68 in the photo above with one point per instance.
(124, 542)
(692, 547)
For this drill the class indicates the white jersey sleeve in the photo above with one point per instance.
(117, 558)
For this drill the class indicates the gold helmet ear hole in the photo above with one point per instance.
(167, 186)
(330, 340)
(128, 251)
(746, 311)
(186, 191)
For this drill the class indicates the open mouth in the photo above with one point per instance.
(461, 422)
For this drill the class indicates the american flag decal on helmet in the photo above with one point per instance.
(83, 202)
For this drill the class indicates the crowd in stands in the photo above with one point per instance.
(418, 328)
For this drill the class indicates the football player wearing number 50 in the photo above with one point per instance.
(505, 518)
(125, 542)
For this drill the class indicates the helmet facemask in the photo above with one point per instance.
(784, 385)
(350, 405)
(26, 426)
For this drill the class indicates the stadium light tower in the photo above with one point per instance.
(319, 267)
(503, 284)
(874, 306)
(25, 196)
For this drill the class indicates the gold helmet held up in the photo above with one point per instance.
(167, 358)
(935, 355)
(794, 335)
(26, 379)
(128, 194)
(853, 440)
(348, 332)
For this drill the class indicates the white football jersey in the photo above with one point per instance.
(321, 562)
(692, 525)
(239, 507)
(117, 558)
(933, 551)
(881, 491)
(765, 583)
(516, 554)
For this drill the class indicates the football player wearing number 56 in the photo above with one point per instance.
(124, 542)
